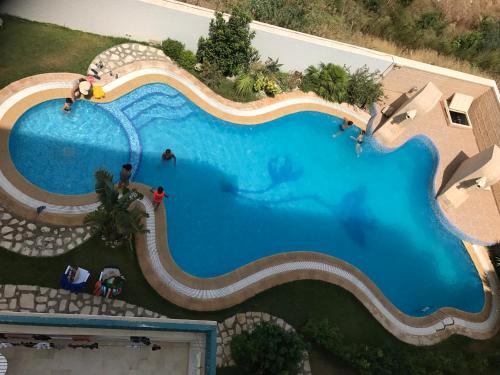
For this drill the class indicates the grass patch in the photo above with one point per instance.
(30, 48)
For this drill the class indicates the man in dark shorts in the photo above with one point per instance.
(345, 125)
(168, 155)
(67, 105)
(125, 174)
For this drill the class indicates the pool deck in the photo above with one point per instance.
(479, 217)
(216, 293)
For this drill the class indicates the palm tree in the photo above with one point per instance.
(118, 217)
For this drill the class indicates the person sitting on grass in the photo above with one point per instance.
(125, 174)
(345, 125)
(359, 141)
(158, 196)
(168, 155)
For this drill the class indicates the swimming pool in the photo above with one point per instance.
(240, 193)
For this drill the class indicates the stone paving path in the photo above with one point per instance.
(238, 323)
(123, 54)
(28, 298)
(34, 239)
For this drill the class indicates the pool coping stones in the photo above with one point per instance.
(220, 292)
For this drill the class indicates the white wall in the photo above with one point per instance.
(156, 20)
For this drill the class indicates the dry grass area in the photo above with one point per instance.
(465, 12)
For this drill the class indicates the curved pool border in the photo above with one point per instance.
(227, 290)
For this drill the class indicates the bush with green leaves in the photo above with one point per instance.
(328, 81)
(229, 44)
(177, 52)
(268, 350)
(172, 48)
(364, 88)
(244, 85)
(187, 60)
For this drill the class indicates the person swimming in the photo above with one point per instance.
(168, 155)
(67, 105)
(343, 127)
(359, 141)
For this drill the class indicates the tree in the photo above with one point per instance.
(364, 88)
(268, 350)
(117, 218)
(329, 82)
(229, 44)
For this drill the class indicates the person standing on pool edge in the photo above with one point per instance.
(168, 155)
(125, 174)
(158, 196)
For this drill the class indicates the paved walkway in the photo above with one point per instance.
(106, 63)
(30, 238)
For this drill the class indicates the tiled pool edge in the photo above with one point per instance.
(257, 276)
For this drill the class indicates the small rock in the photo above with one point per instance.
(114, 57)
(13, 221)
(31, 226)
(9, 291)
(46, 253)
(72, 307)
(87, 236)
(27, 301)
(128, 59)
(13, 304)
(67, 240)
(8, 237)
(59, 242)
(79, 241)
(17, 246)
(45, 229)
(28, 234)
(6, 230)
(85, 310)
(22, 222)
(59, 251)
(53, 293)
(71, 246)
(28, 242)
(20, 229)
(18, 237)
(4, 306)
(6, 244)
(5, 216)
(62, 305)
(41, 308)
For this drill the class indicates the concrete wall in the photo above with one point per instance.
(156, 20)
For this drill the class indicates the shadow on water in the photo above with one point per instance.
(213, 230)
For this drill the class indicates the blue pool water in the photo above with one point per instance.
(240, 193)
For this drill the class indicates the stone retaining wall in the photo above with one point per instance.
(28, 237)
(238, 323)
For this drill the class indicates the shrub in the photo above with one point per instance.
(228, 44)
(364, 88)
(211, 74)
(244, 85)
(323, 334)
(187, 60)
(329, 82)
(172, 48)
(268, 350)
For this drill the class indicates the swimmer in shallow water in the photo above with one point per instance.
(67, 105)
(345, 125)
(169, 155)
(359, 141)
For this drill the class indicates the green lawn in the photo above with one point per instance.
(28, 48)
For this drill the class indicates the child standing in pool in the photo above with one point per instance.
(158, 196)
(359, 141)
(169, 155)
(345, 125)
